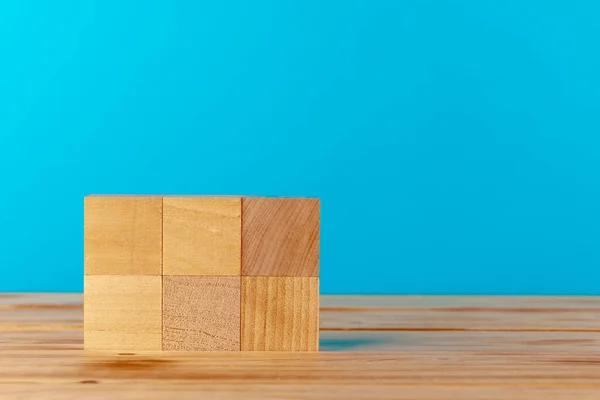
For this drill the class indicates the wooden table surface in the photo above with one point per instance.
(372, 347)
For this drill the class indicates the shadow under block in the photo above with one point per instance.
(280, 314)
(201, 313)
(123, 235)
(280, 236)
(122, 313)
(202, 236)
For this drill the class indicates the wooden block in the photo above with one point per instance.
(123, 235)
(280, 314)
(201, 313)
(280, 236)
(202, 236)
(122, 312)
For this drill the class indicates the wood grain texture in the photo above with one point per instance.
(201, 313)
(123, 312)
(88, 389)
(123, 235)
(280, 314)
(541, 304)
(41, 343)
(533, 304)
(202, 236)
(395, 314)
(280, 236)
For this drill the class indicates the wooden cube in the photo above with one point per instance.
(280, 313)
(202, 236)
(122, 313)
(123, 235)
(201, 313)
(198, 273)
(280, 237)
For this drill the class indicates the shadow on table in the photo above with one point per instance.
(347, 344)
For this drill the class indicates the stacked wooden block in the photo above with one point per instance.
(201, 273)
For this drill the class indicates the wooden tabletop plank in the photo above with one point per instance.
(507, 342)
(377, 313)
(370, 301)
(210, 391)
(469, 302)
(373, 347)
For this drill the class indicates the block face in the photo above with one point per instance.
(123, 235)
(122, 313)
(280, 236)
(201, 313)
(202, 236)
(280, 314)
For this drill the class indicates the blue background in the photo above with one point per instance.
(454, 144)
